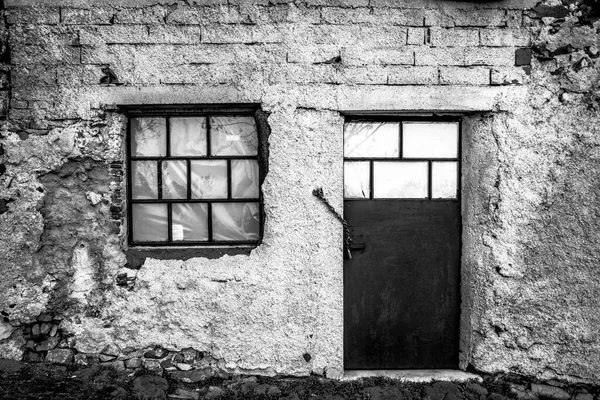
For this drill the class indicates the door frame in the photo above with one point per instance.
(417, 117)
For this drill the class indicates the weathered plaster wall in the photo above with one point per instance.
(532, 210)
(531, 172)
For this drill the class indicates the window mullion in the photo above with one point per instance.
(159, 178)
(209, 220)
(229, 179)
(170, 221)
(189, 179)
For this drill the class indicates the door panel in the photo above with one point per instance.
(401, 294)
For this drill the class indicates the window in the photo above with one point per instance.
(401, 159)
(194, 177)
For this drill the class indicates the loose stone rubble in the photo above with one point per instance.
(103, 380)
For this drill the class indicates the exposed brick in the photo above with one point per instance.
(269, 33)
(508, 37)
(479, 17)
(414, 76)
(33, 15)
(281, 13)
(203, 3)
(70, 76)
(313, 54)
(453, 37)
(302, 74)
(146, 15)
(364, 35)
(402, 3)
(438, 17)
(416, 36)
(508, 76)
(488, 56)
(114, 34)
(103, 54)
(43, 34)
(174, 34)
(231, 54)
(367, 36)
(403, 17)
(20, 114)
(202, 15)
(371, 75)
(450, 17)
(336, 15)
(466, 5)
(227, 34)
(79, 16)
(514, 18)
(364, 15)
(464, 76)
(439, 56)
(162, 54)
(48, 55)
(209, 74)
(91, 75)
(365, 56)
(335, 3)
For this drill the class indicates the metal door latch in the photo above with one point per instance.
(357, 247)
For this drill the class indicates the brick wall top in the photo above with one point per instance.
(510, 4)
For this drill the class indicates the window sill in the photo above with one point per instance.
(136, 256)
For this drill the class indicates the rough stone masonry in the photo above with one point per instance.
(524, 75)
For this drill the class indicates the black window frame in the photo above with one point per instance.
(400, 119)
(169, 111)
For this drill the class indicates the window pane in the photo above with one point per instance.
(235, 221)
(430, 140)
(444, 180)
(149, 222)
(400, 180)
(174, 179)
(244, 179)
(190, 221)
(148, 136)
(188, 136)
(209, 179)
(356, 179)
(144, 180)
(233, 136)
(371, 139)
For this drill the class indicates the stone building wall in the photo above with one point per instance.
(523, 73)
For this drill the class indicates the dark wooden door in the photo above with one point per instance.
(402, 291)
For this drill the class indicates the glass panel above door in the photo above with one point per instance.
(444, 180)
(371, 139)
(430, 139)
(356, 179)
(400, 180)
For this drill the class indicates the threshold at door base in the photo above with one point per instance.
(414, 375)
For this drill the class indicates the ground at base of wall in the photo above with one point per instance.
(43, 381)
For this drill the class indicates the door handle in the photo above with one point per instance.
(358, 246)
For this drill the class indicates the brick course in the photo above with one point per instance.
(464, 76)
(360, 36)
